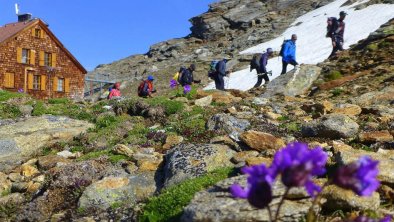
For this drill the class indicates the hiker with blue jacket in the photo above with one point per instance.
(220, 74)
(289, 53)
(262, 72)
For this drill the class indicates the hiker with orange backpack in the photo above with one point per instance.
(145, 89)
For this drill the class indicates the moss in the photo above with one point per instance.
(372, 47)
(5, 95)
(169, 204)
(94, 155)
(337, 92)
(283, 118)
(333, 75)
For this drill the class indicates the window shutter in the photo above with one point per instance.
(43, 82)
(42, 34)
(53, 59)
(55, 84)
(32, 57)
(33, 32)
(41, 62)
(19, 55)
(67, 85)
(9, 80)
(30, 81)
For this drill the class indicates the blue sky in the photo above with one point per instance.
(102, 31)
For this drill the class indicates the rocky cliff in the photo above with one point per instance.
(226, 29)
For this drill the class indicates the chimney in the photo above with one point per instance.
(24, 17)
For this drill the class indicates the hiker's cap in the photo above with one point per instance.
(342, 13)
(193, 67)
(269, 50)
(151, 78)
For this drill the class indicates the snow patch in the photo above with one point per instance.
(312, 45)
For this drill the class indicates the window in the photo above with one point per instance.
(36, 82)
(9, 80)
(60, 85)
(48, 59)
(26, 56)
(37, 33)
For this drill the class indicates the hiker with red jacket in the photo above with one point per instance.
(145, 89)
(336, 29)
(115, 91)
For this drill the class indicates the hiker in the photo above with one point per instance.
(335, 31)
(186, 75)
(255, 63)
(115, 91)
(220, 73)
(145, 89)
(288, 53)
(262, 72)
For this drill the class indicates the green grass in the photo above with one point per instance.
(59, 101)
(283, 118)
(170, 106)
(9, 111)
(5, 95)
(337, 92)
(62, 107)
(168, 206)
(113, 158)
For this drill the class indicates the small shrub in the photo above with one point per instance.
(333, 75)
(39, 109)
(106, 121)
(170, 106)
(337, 92)
(283, 118)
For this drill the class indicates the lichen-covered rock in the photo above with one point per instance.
(347, 109)
(332, 126)
(187, 161)
(261, 141)
(338, 198)
(114, 190)
(377, 136)
(217, 204)
(233, 126)
(18, 141)
(205, 101)
(5, 184)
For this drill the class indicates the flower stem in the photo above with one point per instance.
(311, 217)
(269, 212)
(281, 203)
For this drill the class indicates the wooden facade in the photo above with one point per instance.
(34, 61)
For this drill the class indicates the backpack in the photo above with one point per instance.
(213, 69)
(332, 26)
(255, 63)
(282, 47)
(185, 77)
(143, 89)
(180, 73)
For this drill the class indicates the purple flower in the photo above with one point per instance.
(298, 165)
(186, 89)
(258, 191)
(173, 83)
(359, 176)
(366, 219)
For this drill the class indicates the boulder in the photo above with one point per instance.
(338, 198)
(217, 204)
(172, 140)
(123, 150)
(377, 136)
(344, 154)
(114, 190)
(50, 161)
(261, 141)
(20, 140)
(187, 161)
(332, 126)
(347, 109)
(218, 96)
(205, 101)
(233, 126)
(381, 97)
(244, 155)
(293, 83)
